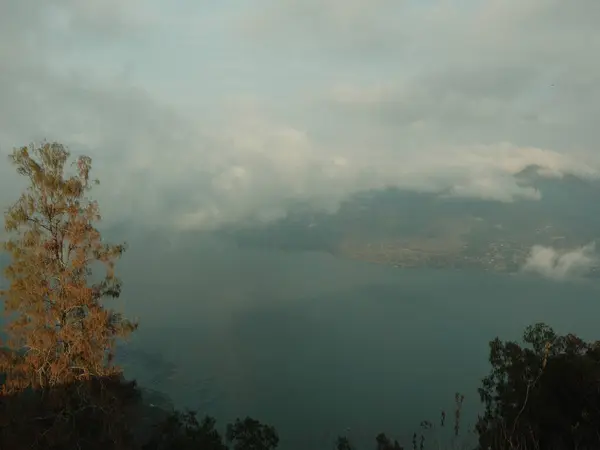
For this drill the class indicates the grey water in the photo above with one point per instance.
(319, 346)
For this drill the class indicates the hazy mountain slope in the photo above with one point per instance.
(415, 229)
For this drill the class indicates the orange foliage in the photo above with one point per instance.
(60, 331)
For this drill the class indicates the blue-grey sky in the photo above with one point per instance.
(201, 113)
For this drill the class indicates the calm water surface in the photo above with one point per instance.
(319, 346)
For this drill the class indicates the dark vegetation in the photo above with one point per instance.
(62, 390)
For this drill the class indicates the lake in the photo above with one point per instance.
(319, 346)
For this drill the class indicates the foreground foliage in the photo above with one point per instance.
(544, 394)
(59, 328)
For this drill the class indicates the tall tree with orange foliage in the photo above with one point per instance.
(60, 329)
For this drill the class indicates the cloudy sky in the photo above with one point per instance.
(200, 113)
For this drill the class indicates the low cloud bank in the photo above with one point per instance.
(561, 265)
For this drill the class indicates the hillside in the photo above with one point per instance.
(409, 229)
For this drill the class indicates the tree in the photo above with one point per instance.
(60, 330)
(183, 431)
(544, 394)
(250, 434)
(343, 443)
(60, 417)
(384, 443)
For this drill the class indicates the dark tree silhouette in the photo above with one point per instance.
(98, 413)
(183, 431)
(343, 443)
(250, 434)
(384, 443)
(542, 395)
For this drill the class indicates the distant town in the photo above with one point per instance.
(503, 256)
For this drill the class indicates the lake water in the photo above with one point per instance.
(317, 345)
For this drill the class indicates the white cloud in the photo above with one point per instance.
(430, 96)
(561, 265)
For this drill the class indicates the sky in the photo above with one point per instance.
(199, 114)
